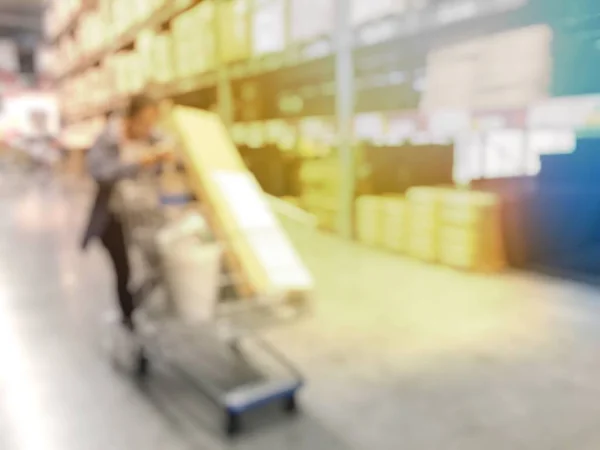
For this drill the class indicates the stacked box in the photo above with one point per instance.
(369, 219)
(180, 5)
(320, 188)
(122, 16)
(324, 208)
(471, 236)
(125, 70)
(395, 222)
(91, 33)
(67, 53)
(58, 14)
(162, 59)
(234, 30)
(144, 46)
(268, 27)
(143, 9)
(316, 137)
(311, 19)
(425, 205)
(194, 41)
(97, 87)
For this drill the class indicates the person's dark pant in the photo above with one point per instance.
(114, 242)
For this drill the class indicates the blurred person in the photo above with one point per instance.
(108, 165)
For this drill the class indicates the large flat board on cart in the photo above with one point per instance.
(242, 218)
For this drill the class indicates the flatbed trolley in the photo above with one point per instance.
(236, 322)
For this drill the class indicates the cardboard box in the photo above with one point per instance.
(425, 206)
(311, 19)
(194, 40)
(369, 220)
(395, 223)
(234, 30)
(238, 212)
(268, 27)
(163, 59)
(471, 231)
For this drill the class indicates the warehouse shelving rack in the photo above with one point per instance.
(341, 47)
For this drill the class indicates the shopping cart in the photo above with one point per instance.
(256, 373)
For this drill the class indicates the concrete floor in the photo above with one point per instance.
(398, 355)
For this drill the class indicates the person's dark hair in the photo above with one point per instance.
(138, 103)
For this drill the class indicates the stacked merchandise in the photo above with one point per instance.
(267, 164)
(66, 54)
(91, 33)
(471, 235)
(505, 70)
(144, 46)
(86, 91)
(97, 87)
(460, 229)
(125, 69)
(311, 19)
(320, 191)
(155, 52)
(451, 74)
(396, 169)
(268, 27)
(514, 68)
(423, 230)
(59, 15)
(125, 14)
(142, 9)
(162, 59)
(193, 35)
(316, 137)
(249, 100)
(395, 220)
(120, 16)
(369, 219)
(234, 30)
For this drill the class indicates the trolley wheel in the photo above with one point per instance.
(233, 424)
(290, 405)
(142, 366)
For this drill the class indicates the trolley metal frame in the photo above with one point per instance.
(236, 320)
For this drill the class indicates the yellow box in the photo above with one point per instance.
(471, 231)
(234, 30)
(194, 41)
(256, 247)
(369, 219)
(458, 256)
(423, 229)
(163, 59)
(395, 223)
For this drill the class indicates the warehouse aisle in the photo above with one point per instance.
(398, 354)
